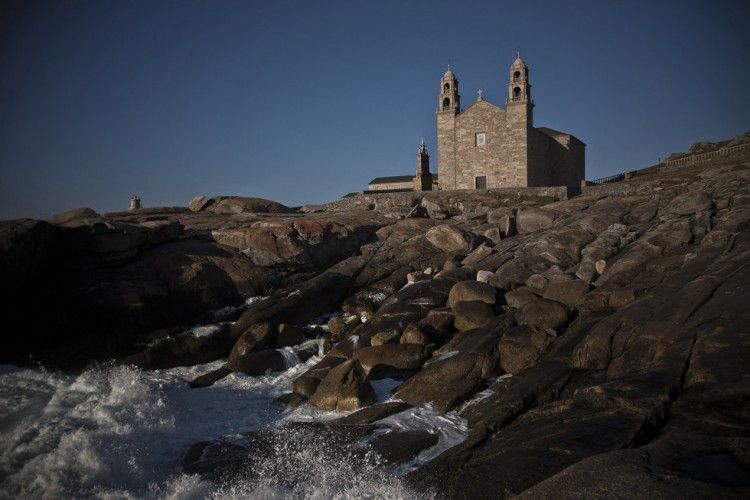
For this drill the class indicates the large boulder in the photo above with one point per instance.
(445, 383)
(504, 219)
(690, 203)
(391, 360)
(471, 314)
(435, 210)
(240, 204)
(532, 219)
(191, 347)
(472, 290)
(519, 297)
(437, 326)
(77, 215)
(543, 313)
(570, 293)
(198, 203)
(26, 251)
(413, 334)
(289, 335)
(161, 231)
(344, 388)
(261, 362)
(100, 312)
(521, 347)
(308, 382)
(304, 243)
(477, 255)
(451, 239)
(398, 446)
(256, 338)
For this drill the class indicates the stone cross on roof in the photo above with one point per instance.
(479, 95)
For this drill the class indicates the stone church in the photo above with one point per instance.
(485, 146)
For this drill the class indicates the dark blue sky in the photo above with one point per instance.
(305, 101)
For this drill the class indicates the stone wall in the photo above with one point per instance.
(372, 201)
(389, 186)
(695, 159)
(518, 123)
(558, 160)
(544, 155)
(575, 170)
(504, 156)
(472, 160)
(446, 152)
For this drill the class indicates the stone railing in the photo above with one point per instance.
(694, 159)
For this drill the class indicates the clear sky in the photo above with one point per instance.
(304, 101)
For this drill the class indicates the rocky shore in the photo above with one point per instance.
(595, 346)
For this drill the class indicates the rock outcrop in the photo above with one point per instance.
(595, 346)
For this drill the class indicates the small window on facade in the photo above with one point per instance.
(446, 101)
(479, 139)
(480, 182)
(517, 76)
(447, 86)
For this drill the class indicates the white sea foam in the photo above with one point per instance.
(290, 357)
(226, 312)
(121, 432)
(204, 331)
(450, 428)
(252, 300)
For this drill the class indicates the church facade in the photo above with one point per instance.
(485, 146)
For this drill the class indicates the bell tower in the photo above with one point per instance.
(449, 105)
(423, 179)
(519, 120)
(519, 88)
(449, 98)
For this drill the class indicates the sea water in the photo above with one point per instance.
(121, 432)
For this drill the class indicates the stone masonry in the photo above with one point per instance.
(486, 146)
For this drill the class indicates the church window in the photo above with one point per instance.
(447, 101)
(479, 139)
(447, 86)
(517, 93)
(517, 76)
(480, 182)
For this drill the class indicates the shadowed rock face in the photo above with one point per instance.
(610, 333)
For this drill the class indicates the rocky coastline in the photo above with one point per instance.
(595, 346)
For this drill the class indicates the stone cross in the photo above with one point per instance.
(479, 95)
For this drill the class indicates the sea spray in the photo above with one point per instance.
(121, 432)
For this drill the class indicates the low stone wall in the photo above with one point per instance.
(368, 201)
(609, 188)
(389, 186)
(695, 159)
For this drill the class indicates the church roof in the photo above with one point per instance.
(395, 178)
(555, 133)
(550, 131)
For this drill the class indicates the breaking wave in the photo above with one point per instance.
(121, 432)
